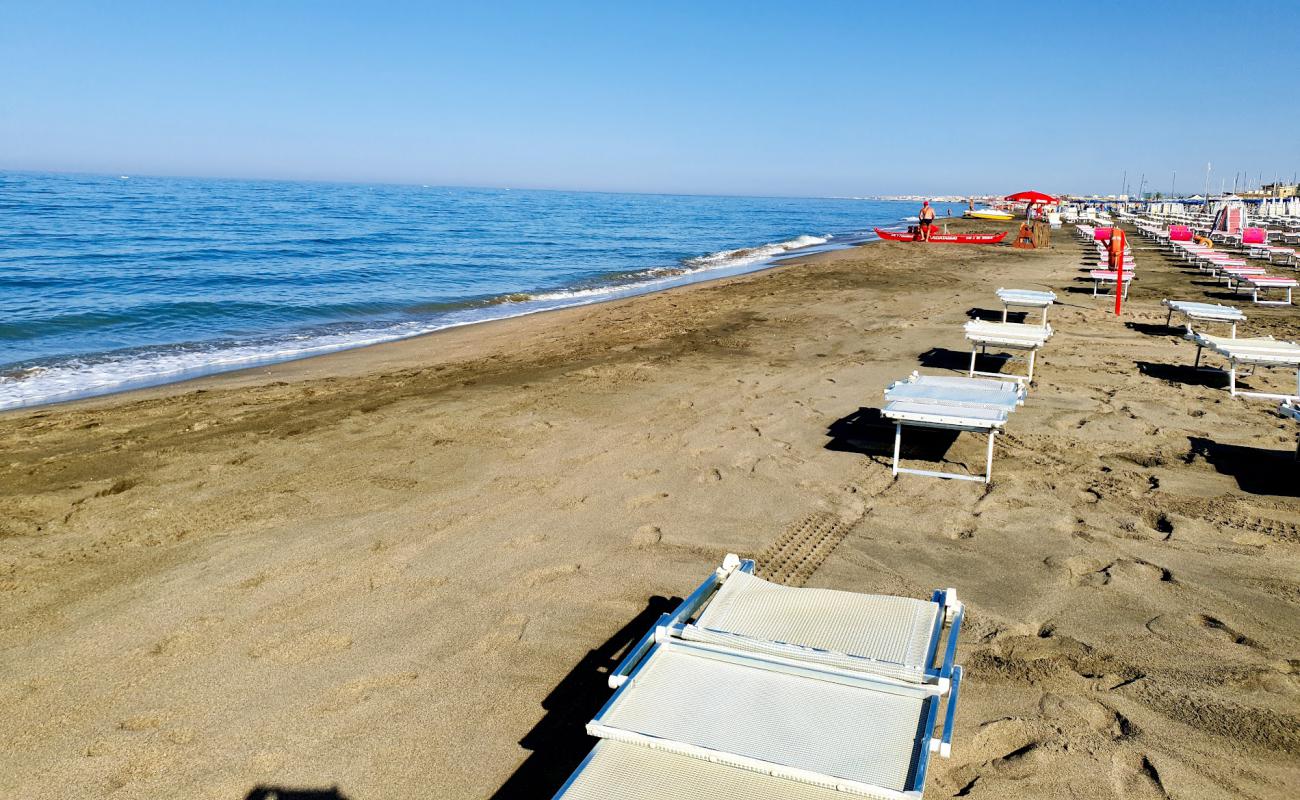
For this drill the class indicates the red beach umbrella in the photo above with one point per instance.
(1030, 197)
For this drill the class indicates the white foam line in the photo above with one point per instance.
(79, 378)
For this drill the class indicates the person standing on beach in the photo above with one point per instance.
(927, 219)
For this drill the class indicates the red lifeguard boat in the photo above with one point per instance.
(944, 238)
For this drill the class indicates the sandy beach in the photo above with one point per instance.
(400, 572)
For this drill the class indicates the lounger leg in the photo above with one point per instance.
(898, 442)
(1045, 316)
(1030, 378)
(1004, 313)
(988, 462)
(1234, 330)
(1232, 378)
(1169, 318)
(973, 351)
(1197, 364)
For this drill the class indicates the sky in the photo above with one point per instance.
(760, 98)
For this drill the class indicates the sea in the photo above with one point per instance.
(110, 283)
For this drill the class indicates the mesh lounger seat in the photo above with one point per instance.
(1203, 312)
(940, 388)
(764, 704)
(1006, 336)
(977, 405)
(1025, 298)
(1253, 352)
(621, 771)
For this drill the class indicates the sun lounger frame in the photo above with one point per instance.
(1201, 315)
(947, 678)
(981, 341)
(1026, 298)
(930, 473)
(1235, 361)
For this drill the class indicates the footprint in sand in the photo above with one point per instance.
(1062, 708)
(1051, 661)
(356, 692)
(711, 476)
(647, 536)
(300, 648)
(1134, 776)
(1180, 627)
(526, 540)
(1095, 572)
(545, 575)
(646, 499)
(638, 474)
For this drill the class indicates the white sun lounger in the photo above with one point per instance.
(1006, 336)
(922, 387)
(1261, 282)
(978, 409)
(749, 690)
(1102, 277)
(1203, 312)
(1255, 352)
(1025, 298)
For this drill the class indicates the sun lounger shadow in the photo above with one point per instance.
(1080, 289)
(1226, 294)
(867, 433)
(992, 315)
(943, 358)
(559, 742)
(286, 793)
(1257, 471)
(1156, 329)
(1184, 374)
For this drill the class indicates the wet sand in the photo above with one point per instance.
(400, 571)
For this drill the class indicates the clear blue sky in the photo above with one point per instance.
(798, 98)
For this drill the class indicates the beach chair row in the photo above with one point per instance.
(1236, 270)
(1097, 262)
(980, 402)
(750, 689)
(1239, 353)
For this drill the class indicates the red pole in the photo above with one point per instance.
(1117, 244)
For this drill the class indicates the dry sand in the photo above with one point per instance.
(400, 571)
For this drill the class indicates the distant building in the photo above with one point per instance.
(1280, 191)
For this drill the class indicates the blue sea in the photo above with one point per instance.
(109, 283)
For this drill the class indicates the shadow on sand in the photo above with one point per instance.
(559, 741)
(943, 358)
(1257, 471)
(1185, 374)
(1156, 328)
(286, 793)
(867, 433)
(995, 315)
